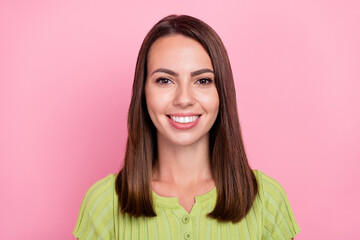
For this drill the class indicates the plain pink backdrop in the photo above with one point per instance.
(66, 71)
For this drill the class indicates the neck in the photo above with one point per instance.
(183, 165)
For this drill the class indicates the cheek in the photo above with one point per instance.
(211, 101)
(215, 105)
(154, 103)
(149, 101)
(151, 107)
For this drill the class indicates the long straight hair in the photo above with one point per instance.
(235, 182)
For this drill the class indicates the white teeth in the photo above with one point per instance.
(187, 119)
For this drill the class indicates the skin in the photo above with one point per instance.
(183, 155)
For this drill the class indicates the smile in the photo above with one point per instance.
(184, 120)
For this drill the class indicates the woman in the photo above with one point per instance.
(185, 173)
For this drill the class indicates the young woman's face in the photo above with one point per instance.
(180, 91)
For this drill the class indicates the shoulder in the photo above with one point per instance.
(96, 215)
(278, 218)
(268, 186)
(103, 188)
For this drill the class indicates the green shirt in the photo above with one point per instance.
(270, 217)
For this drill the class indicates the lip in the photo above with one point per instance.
(183, 126)
(183, 114)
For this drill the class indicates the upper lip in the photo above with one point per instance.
(183, 114)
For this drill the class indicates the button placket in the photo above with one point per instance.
(186, 226)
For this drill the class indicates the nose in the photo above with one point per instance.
(184, 96)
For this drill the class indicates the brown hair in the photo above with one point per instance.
(235, 182)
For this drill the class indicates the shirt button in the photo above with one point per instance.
(186, 219)
(187, 236)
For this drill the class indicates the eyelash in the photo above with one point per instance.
(206, 79)
(160, 80)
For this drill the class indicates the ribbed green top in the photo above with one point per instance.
(270, 217)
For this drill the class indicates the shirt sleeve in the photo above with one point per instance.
(278, 218)
(96, 216)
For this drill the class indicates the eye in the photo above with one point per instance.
(204, 81)
(163, 80)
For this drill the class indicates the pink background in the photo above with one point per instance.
(66, 70)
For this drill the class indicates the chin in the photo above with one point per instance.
(183, 141)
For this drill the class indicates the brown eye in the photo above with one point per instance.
(163, 81)
(204, 81)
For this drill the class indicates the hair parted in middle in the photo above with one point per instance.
(235, 182)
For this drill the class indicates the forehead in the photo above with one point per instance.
(178, 51)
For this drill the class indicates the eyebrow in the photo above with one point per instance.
(197, 72)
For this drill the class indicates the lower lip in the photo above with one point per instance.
(184, 126)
